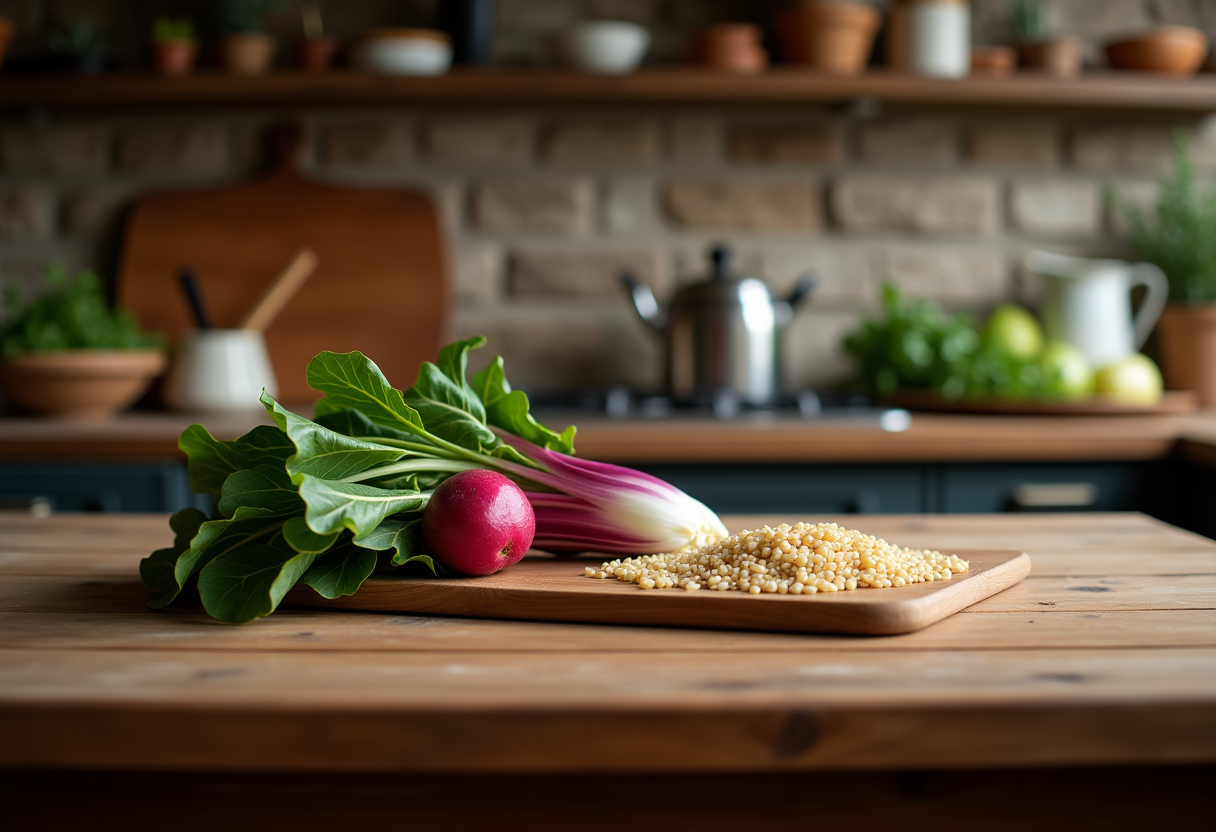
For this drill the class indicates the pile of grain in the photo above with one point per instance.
(800, 560)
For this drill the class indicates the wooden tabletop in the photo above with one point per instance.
(1105, 654)
(930, 437)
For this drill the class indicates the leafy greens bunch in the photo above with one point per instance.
(328, 501)
(914, 344)
(71, 315)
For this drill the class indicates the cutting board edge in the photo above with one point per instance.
(731, 611)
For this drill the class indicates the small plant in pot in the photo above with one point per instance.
(174, 47)
(245, 47)
(1037, 44)
(67, 354)
(1178, 234)
(79, 47)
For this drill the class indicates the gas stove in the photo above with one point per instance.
(623, 404)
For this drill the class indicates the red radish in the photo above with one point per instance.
(477, 522)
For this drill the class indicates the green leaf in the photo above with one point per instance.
(333, 506)
(265, 487)
(304, 540)
(250, 581)
(508, 409)
(353, 380)
(401, 536)
(454, 358)
(158, 569)
(341, 571)
(211, 460)
(352, 423)
(216, 538)
(450, 410)
(324, 453)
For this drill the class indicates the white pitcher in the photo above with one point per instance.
(1087, 303)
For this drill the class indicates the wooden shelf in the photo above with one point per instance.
(1095, 91)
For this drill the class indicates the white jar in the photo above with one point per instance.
(939, 38)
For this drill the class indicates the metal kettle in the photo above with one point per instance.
(723, 334)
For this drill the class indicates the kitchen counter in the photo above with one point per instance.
(762, 438)
(1084, 697)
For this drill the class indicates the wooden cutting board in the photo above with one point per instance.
(381, 284)
(555, 589)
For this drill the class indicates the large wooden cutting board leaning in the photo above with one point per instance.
(555, 589)
(380, 285)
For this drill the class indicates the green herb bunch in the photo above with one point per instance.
(172, 30)
(915, 344)
(244, 16)
(72, 315)
(1029, 21)
(1178, 234)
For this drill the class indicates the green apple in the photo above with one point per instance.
(1069, 375)
(1134, 380)
(1012, 330)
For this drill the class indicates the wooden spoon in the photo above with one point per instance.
(281, 291)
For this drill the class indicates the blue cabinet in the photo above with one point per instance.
(155, 486)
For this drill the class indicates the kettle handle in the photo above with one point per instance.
(1150, 276)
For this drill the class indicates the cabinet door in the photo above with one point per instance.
(98, 486)
(1044, 486)
(800, 489)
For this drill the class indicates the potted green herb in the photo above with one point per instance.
(1037, 44)
(245, 47)
(66, 353)
(174, 47)
(79, 47)
(1178, 233)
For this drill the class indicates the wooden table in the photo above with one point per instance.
(1083, 698)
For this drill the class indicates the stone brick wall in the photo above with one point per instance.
(545, 207)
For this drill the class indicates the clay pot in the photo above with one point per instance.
(993, 61)
(1186, 334)
(1060, 57)
(247, 53)
(316, 54)
(833, 37)
(730, 47)
(1170, 50)
(80, 384)
(6, 36)
(174, 58)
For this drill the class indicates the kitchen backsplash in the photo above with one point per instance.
(546, 206)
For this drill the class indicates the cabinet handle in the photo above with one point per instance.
(1041, 495)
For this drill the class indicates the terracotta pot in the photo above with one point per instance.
(174, 58)
(1170, 50)
(1187, 336)
(247, 54)
(80, 384)
(730, 47)
(1060, 57)
(993, 61)
(834, 37)
(316, 54)
(6, 36)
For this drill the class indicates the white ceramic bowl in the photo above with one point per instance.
(604, 47)
(402, 53)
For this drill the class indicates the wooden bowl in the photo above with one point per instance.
(80, 384)
(1170, 50)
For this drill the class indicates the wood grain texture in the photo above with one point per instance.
(662, 85)
(381, 283)
(557, 590)
(1079, 666)
(932, 437)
